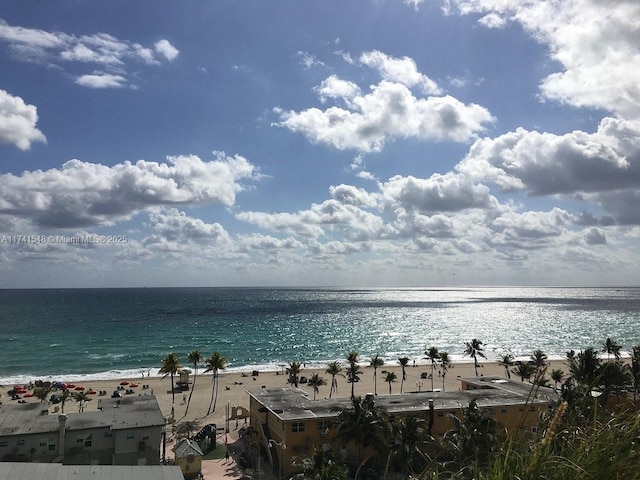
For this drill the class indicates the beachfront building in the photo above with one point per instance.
(188, 457)
(57, 471)
(290, 424)
(124, 431)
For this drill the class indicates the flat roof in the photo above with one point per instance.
(131, 412)
(294, 404)
(57, 471)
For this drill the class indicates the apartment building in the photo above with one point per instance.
(124, 431)
(290, 424)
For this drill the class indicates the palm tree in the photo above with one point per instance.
(41, 393)
(556, 376)
(193, 358)
(473, 438)
(81, 397)
(524, 370)
(585, 366)
(432, 354)
(635, 370)
(293, 370)
(334, 369)
(446, 363)
(353, 371)
(506, 361)
(64, 396)
(376, 362)
(322, 465)
(214, 363)
(539, 359)
(611, 347)
(315, 382)
(411, 440)
(390, 377)
(363, 423)
(403, 361)
(474, 350)
(170, 366)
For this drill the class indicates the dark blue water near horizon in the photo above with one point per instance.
(108, 333)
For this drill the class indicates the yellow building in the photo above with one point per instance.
(291, 424)
(188, 457)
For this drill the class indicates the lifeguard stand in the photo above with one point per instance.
(183, 382)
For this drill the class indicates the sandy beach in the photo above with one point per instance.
(233, 386)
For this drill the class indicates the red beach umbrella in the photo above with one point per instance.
(79, 388)
(124, 383)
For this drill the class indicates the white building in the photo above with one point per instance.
(125, 431)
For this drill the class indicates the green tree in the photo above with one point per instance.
(64, 396)
(474, 350)
(524, 370)
(376, 362)
(41, 393)
(611, 348)
(322, 465)
(353, 370)
(293, 370)
(193, 358)
(433, 355)
(585, 367)
(364, 424)
(214, 363)
(446, 364)
(539, 359)
(315, 382)
(506, 361)
(635, 370)
(390, 377)
(82, 398)
(410, 441)
(403, 361)
(334, 369)
(472, 440)
(170, 366)
(557, 375)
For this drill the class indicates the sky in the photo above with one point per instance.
(357, 143)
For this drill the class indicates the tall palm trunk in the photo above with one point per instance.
(193, 386)
(213, 393)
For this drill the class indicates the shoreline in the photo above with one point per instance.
(234, 384)
(153, 372)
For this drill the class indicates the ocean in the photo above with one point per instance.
(87, 334)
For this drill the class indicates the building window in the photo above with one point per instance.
(297, 427)
(533, 408)
(130, 436)
(52, 447)
(88, 441)
(3, 444)
(504, 409)
(534, 429)
(440, 413)
(145, 436)
(20, 442)
(108, 434)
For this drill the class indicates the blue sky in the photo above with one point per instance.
(294, 143)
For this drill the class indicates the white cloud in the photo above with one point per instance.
(334, 87)
(439, 193)
(101, 49)
(544, 163)
(400, 70)
(596, 43)
(308, 60)
(101, 80)
(390, 111)
(168, 51)
(86, 194)
(18, 122)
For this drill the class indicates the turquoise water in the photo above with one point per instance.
(107, 333)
